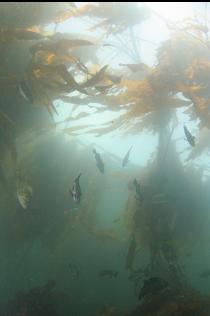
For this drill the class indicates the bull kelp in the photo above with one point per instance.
(104, 176)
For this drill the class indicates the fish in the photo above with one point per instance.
(126, 158)
(189, 136)
(205, 274)
(25, 91)
(152, 286)
(24, 194)
(76, 190)
(108, 273)
(99, 162)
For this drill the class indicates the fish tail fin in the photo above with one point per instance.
(79, 176)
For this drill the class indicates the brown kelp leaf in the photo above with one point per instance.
(110, 127)
(22, 34)
(114, 16)
(136, 67)
(64, 15)
(78, 117)
(95, 78)
(48, 58)
(60, 46)
(104, 89)
(70, 80)
(70, 130)
(177, 103)
(189, 89)
(7, 35)
(73, 100)
(56, 72)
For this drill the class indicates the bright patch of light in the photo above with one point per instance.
(172, 11)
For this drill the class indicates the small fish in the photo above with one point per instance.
(109, 273)
(152, 286)
(99, 161)
(205, 274)
(76, 190)
(24, 194)
(25, 91)
(190, 138)
(126, 158)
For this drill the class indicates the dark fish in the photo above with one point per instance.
(152, 286)
(76, 190)
(205, 274)
(126, 158)
(25, 91)
(190, 138)
(99, 161)
(108, 273)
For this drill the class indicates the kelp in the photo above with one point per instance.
(55, 65)
(113, 17)
(180, 302)
(65, 67)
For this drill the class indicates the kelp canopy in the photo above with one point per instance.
(56, 65)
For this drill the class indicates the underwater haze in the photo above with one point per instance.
(104, 151)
